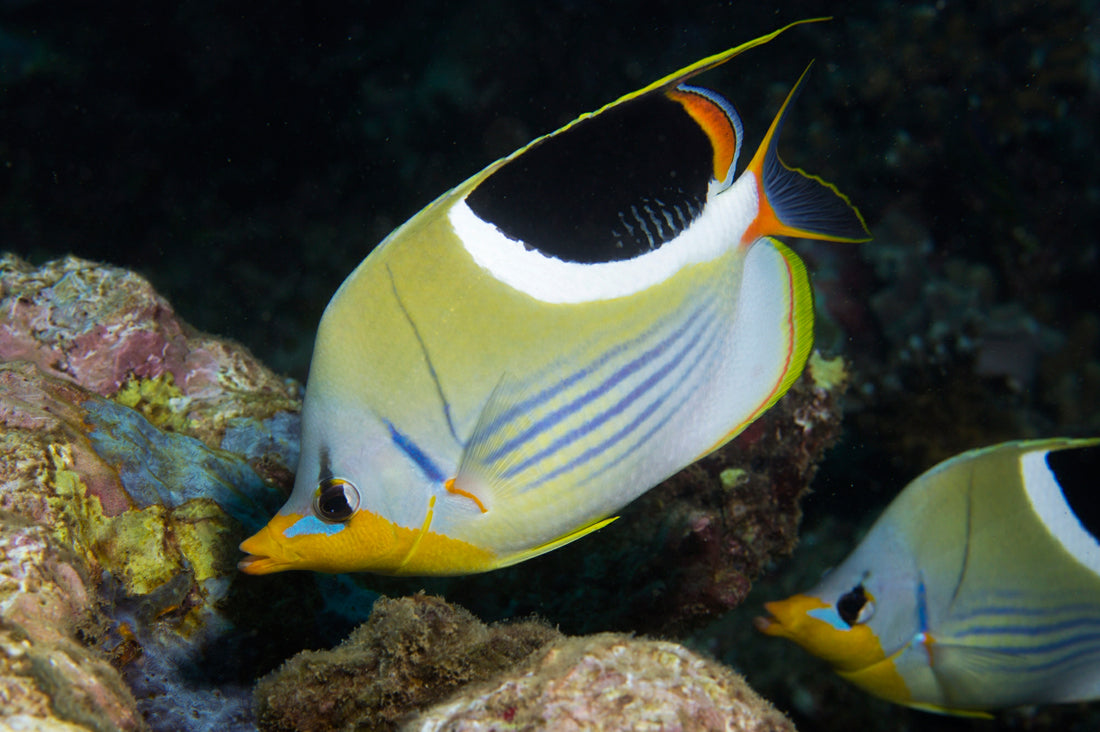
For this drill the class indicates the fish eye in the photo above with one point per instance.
(855, 606)
(336, 499)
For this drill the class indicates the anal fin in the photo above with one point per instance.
(555, 543)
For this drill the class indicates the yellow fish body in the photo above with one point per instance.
(552, 338)
(978, 588)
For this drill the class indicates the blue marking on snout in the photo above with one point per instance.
(830, 616)
(312, 526)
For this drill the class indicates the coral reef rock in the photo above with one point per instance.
(411, 653)
(109, 331)
(120, 502)
(420, 651)
(611, 682)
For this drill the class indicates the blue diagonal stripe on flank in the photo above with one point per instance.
(1060, 644)
(418, 456)
(555, 417)
(654, 429)
(1036, 629)
(561, 385)
(627, 429)
(526, 405)
(1080, 652)
(1079, 608)
(1066, 650)
(1054, 645)
(1068, 659)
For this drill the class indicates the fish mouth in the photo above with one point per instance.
(253, 564)
(787, 618)
(769, 624)
(266, 554)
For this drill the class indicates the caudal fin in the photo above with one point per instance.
(794, 203)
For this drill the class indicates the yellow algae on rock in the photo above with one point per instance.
(80, 513)
(158, 399)
(205, 535)
(135, 546)
(131, 447)
(143, 547)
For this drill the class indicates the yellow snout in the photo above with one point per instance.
(366, 543)
(799, 618)
(269, 550)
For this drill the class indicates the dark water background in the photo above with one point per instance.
(246, 157)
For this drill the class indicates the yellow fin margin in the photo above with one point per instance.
(561, 541)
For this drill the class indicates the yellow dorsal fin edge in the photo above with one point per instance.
(705, 64)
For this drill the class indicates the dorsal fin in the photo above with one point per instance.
(795, 203)
(624, 180)
(610, 188)
(677, 78)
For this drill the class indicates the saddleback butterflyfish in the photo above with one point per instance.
(552, 338)
(977, 589)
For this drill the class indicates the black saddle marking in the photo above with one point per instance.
(611, 187)
(1076, 470)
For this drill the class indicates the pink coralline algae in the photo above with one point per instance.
(104, 328)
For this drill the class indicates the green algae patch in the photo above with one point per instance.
(133, 545)
(733, 477)
(67, 495)
(828, 373)
(157, 400)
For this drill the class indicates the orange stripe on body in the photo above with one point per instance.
(450, 486)
(715, 122)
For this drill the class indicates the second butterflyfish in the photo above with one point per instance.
(977, 589)
(552, 338)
